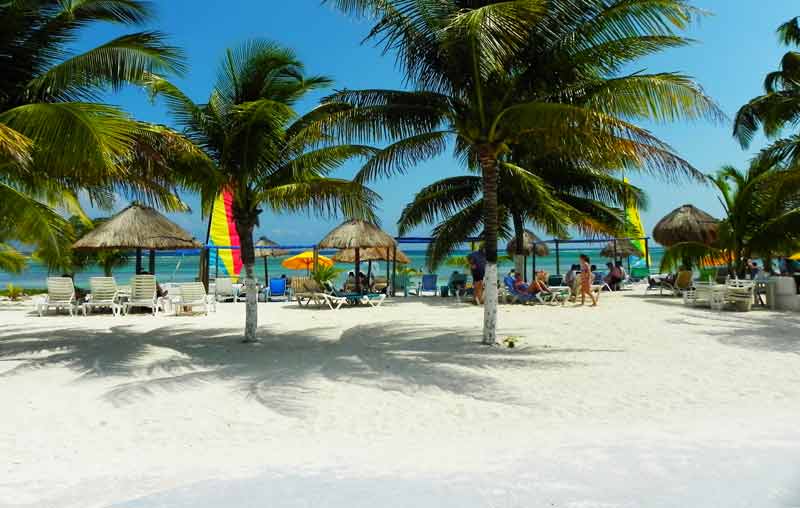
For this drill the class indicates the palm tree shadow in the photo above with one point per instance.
(284, 371)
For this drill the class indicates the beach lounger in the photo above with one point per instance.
(104, 293)
(740, 293)
(225, 292)
(373, 299)
(517, 296)
(193, 294)
(60, 295)
(143, 294)
(277, 290)
(380, 284)
(427, 285)
(297, 285)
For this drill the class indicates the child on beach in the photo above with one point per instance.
(586, 280)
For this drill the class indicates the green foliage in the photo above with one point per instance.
(762, 218)
(55, 140)
(250, 141)
(325, 274)
(63, 259)
(11, 260)
(13, 292)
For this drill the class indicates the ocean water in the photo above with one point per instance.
(184, 267)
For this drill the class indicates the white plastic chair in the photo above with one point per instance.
(60, 294)
(225, 292)
(740, 293)
(143, 294)
(193, 294)
(104, 294)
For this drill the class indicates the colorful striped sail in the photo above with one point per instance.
(222, 233)
(633, 223)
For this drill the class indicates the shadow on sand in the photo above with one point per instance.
(278, 372)
(759, 329)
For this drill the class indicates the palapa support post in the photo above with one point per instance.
(358, 271)
(647, 252)
(525, 266)
(394, 271)
(387, 266)
(558, 259)
(316, 257)
(152, 262)
(138, 261)
(615, 251)
(266, 271)
(203, 275)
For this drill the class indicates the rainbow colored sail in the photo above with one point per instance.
(222, 233)
(633, 222)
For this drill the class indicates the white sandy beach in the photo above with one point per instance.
(640, 402)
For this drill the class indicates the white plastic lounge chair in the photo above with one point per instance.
(334, 302)
(60, 295)
(225, 292)
(193, 294)
(740, 293)
(373, 299)
(143, 294)
(104, 294)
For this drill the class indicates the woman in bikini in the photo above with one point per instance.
(586, 281)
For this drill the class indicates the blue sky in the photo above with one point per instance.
(736, 46)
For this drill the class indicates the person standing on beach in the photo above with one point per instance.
(477, 264)
(586, 280)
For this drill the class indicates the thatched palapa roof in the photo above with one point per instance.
(528, 240)
(358, 234)
(137, 227)
(268, 253)
(624, 248)
(686, 224)
(371, 254)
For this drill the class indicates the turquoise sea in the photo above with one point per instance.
(182, 267)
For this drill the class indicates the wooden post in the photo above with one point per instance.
(138, 261)
(533, 260)
(316, 257)
(358, 263)
(525, 266)
(216, 264)
(394, 270)
(558, 259)
(266, 271)
(647, 253)
(204, 267)
(387, 269)
(152, 263)
(615, 251)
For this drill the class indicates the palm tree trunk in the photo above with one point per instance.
(245, 229)
(519, 240)
(488, 161)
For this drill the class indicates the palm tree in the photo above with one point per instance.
(554, 198)
(778, 107)
(55, 139)
(254, 144)
(762, 218)
(491, 76)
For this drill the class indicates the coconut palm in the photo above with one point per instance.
(55, 139)
(762, 218)
(778, 107)
(490, 76)
(553, 199)
(255, 145)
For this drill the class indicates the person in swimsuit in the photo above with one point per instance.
(477, 264)
(586, 281)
